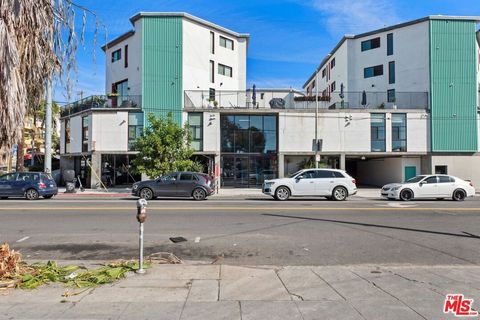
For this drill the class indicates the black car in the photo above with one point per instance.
(30, 185)
(178, 184)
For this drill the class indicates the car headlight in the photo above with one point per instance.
(135, 187)
(396, 188)
(269, 184)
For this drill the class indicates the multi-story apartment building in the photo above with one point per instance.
(147, 71)
(430, 63)
(392, 103)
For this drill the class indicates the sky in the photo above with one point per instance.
(288, 38)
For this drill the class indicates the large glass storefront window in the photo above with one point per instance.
(249, 134)
(249, 149)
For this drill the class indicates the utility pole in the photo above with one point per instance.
(48, 126)
(316, 120)
(48, 119)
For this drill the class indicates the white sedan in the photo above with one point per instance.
(330, 183)
(429, 186)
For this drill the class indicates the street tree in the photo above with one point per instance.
(164, 147)
(39, 41)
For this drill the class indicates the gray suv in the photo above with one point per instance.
(178, 184)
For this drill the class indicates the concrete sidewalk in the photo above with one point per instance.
(231, 292)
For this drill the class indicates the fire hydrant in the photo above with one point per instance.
(141, 217)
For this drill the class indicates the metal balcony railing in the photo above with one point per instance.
(101, 101)
(290, 99)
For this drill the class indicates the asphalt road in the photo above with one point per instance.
(250, 232)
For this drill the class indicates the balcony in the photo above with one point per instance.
(102, 102)
(296, 100)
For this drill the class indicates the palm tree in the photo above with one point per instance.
(37, 40)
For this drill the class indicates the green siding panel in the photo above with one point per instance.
(453, 88)
(162, 66)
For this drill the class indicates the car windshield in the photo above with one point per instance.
(294, 174)
(415, 179)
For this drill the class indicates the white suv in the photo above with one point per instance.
(330, 183)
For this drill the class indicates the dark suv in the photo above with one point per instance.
(177, 184)
(30, 185)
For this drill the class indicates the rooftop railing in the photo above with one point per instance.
(289, 99)
(101, 102)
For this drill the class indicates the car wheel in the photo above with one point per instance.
(406, 195)
(199, 194)
(31, 194)
(339, 194)
(459, 195)
(49, 196)
(282, 193)
(146, 193)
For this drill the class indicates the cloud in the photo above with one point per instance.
(354, 17)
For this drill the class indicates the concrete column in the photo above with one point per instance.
(342, 161)
(96, 170)
(281, 165)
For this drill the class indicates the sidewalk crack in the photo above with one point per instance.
(390, 294)
(417, 281)
(189, 284)
(283, 283)
(328, 284)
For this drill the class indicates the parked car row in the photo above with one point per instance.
(332, 184)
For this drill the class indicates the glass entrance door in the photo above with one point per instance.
(247, 171)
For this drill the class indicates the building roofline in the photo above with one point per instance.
(118, 39)
(189, 17)
(385, 29)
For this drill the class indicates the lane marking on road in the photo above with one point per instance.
(197, 239)
(240, 209)
(23, 239)
(398, 205)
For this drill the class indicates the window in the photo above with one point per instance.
(391, 72)
(309, 174)
(373, 71)
(377, 129)
(391, 95)
(116, 55)
(211, 94)
(332, 87)
(212, 42)
(332, 63)
(186, 177)
(169, 177)
(324, 174)
(195, 123)
(249, 133)
(371, 44)
(212, 71)
(445, 179)
(337, 174)
(85, 134)
(399, 132)
(135, 128)
(430, 180)
(126, 57)
(226, 43)
(67, 135)
(441, 169)
(389, 44)
(9, 177)
(324, 72)
(224, 70)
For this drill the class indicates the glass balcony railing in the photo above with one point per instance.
(291, 99)
(102, 101)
